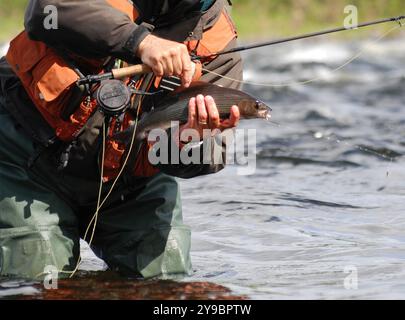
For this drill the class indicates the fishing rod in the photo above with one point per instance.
(305, 36)
(142, 69)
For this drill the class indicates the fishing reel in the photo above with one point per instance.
(113, 97)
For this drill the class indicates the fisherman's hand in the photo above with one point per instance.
(166, 58)
(203, 114)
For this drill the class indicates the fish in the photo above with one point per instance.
(174, 107)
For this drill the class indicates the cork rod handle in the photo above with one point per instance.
(131, 71)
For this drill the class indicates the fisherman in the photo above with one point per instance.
(50, 141)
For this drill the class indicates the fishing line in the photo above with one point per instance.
(98, 199)
(275, 85)
(329, 137)
(99, 205)
(72, 273)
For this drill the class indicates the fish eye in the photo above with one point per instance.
(257, 105)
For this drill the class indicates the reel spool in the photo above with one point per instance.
(113, 97)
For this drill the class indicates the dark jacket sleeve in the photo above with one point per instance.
(91, 28)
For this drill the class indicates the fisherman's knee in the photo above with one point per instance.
(162, 252)
(154, 242)
(166, 251)
(26, 253)
(164, 191)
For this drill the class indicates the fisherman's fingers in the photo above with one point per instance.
(187, 69)
(158, 69)
(202, 111)
(192, 113)
(177, 63)
(233, 119)
(166, 58)
(235, 116)
(213, 114)
(168, 66)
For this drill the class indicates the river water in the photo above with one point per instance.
(323, 216)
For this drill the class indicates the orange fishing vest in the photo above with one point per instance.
(49, 80)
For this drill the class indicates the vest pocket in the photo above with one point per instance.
(52, 84)
(45, 76)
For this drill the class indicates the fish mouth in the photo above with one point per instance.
(264, 111)
(265, 114)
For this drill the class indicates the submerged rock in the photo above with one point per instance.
(108, 286)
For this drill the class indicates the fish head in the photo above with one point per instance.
(254, 109)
